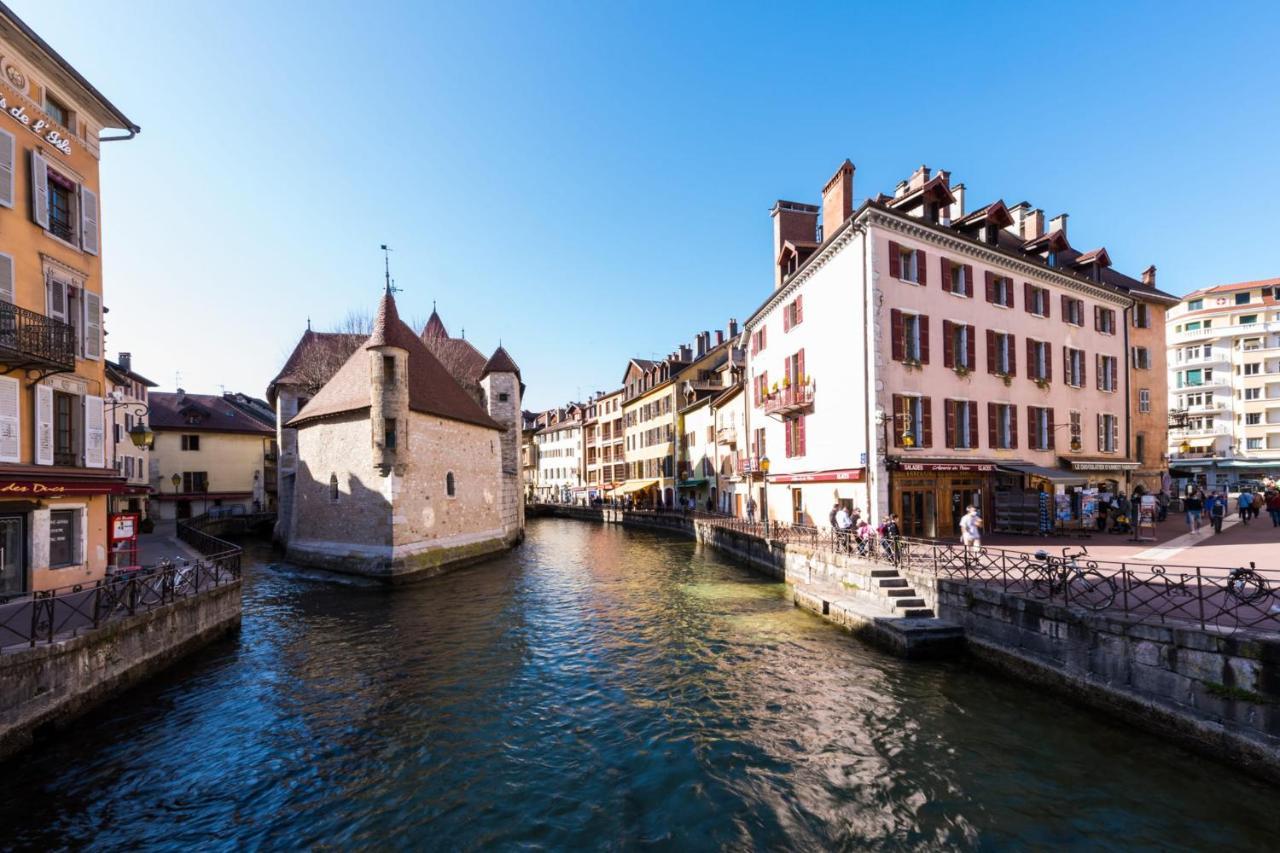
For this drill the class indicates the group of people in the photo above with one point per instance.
(1212, 508)
(855, 533)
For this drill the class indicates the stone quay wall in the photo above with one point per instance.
(48, 686)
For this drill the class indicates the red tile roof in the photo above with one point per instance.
(314, 360)
(500, 362)
(202, 413)
(1228, 288)
(432, 389)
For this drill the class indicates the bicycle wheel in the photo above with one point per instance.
(1247, 586)
(1044, 584)
(1093, 590)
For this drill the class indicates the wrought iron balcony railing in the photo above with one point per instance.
(793, 398)
(28, 338)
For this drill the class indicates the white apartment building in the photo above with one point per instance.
(561, 476)
(1224, 384)
(916, 357)
(131, 435)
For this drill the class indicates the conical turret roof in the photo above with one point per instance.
(500, 362)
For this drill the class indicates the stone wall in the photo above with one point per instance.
(507, 412)
(341, 447)
(1219, 694)
(47, 686)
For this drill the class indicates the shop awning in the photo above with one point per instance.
(1099, 464)
(694, 483)
(1053, 475)
(635, 486)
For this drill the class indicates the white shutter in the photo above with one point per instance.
(10, 424)
(44, 425)
(94, 432)
(89, 220)
(57, 298)
(92, 324)
(6, 277)
(39, 190)
(8, 151)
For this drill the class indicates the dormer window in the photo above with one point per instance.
(991, 233)
(1051, 259)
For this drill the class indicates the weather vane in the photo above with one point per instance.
(386, 266)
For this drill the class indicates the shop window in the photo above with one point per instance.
(190, 442)
(64, 538)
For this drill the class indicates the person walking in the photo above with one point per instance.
(971, 530)
(751, 509)
(844, 524)
(1217, 511)
(1193, 504)
(1257, 503)
(1244, 505)
(831, 517)
(892, 536)
(1273, 507)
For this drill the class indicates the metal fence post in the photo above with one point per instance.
(1200, 596)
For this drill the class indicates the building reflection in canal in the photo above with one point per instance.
(598, 687)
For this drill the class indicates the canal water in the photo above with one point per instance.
(598, 688)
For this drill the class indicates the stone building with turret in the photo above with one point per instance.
(405, 465)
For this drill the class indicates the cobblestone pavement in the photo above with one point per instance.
(163, 543)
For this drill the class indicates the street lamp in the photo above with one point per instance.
(1185, 447)
(764, 496)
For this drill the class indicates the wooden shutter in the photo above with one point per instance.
(1115, 434)
(800, 308)
(1101, 427)
(1115, 384)
(94, 433)
(926, 417)
(56, 296)
(970, 346)
(949, 421)
(89, 220)
(1026, 296)
(895, 260)
(8, 157)
(921, 269)
(948, 344)
(1098, 366)
(993, 426)
(800, 374)
(1084, 373)
(1097, 318)
(6, 279)
(1066, 366)
(1031, 428)
(10, 421)
(895, 334)
(1013, 427)
(1048, 414)
(1048, 362)
(991, 351)
(39, 191)
(786, 431)
(923, 321)
(1066, 308)
(899, 420)
(44, 425)
(1031, 359)
(991, 286)
(968, 281)
(800, 435)
(971, 409)
(92, 324)
(786, 318)
(1048, 305)
(1013, 355)
(944, 270)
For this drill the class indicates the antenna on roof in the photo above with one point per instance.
(308, 323)
(464, 333)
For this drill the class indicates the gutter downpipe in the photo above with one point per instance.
(873, 509)
(1128, 394)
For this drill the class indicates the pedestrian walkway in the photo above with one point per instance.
(163, 543)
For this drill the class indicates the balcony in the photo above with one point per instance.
(789, 400)
(28, 339)
(727, 435)
(748, 464)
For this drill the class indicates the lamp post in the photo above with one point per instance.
(764, 495)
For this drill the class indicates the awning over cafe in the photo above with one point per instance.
(635, 486)
(1053, 475)
(694, 483)
(1099, 464)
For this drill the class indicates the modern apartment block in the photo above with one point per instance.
(1224, 384)
(918, 355)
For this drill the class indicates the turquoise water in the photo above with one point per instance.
(598, 688)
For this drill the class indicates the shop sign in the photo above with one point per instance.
(945, 467)
(40, 127)
(844, 475)
(28, 488)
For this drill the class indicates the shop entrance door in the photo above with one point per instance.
(916, 513)
(797, 507)
(961, 498)
(13, 555)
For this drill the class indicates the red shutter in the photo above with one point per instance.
(1101, 426)
(800, 309)
(1115, 434)
(1031, 359)
(1026, 295)
(970, 347)
(923, 319)
(764, 337)
(1031, 428)
(786, 318)
(944, 270)
(895, 261)
(1013, 355)
(787, 432)
(899, 420)
(972, 412)
(895, 333)
(800, 435)
(1048, 305)
(948, 343)
(1097, 318)
(926, 415)
(1115, 385)
(1098, 366)
(800, 363)
(968, 281)
(1066, 364)
(921, 268)
(1013, 427)
(991, 351)
(991, 286)
(1048, 362)
(949, 421)
(1052, 441)
(1084, 374)
(993, 432)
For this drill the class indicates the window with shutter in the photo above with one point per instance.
(948, 344)
(8, 157)
(1013, 426)
(900, 415)
(92, 325)
(922, 268)
(6, 278)
(44, 425)
(10, 420)
(926, 421)
(57, 298)
(94, 432)
(968, 280)
(88, 220)
(39, 191)
(991, 351)
(949, 421)
(922, 322)
(895, 334)
(895, 260)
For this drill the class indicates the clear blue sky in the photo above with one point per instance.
(591, 181)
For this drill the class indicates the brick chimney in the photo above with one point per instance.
(702, 344)
(1059, 223)
(957, 209)
(1033, 224)
(733, 327)
(791, 221)
(918, 178)
(1149, 276)
(686, 353)
(125, 361)
(719, 336)
(837, 199)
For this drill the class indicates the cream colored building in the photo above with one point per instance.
(209, 456)
(561, 475)
(129, 425)
(603, 439)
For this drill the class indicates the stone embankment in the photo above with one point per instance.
(1215, 691)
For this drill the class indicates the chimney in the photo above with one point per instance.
(733, 327)
(1033, 225)
(719, 336)
(1059, 223)
(686, 353)
(1019, 214)
(125, 361)
(957, 209)
(919, 178)
(837, 199)
(1149, 276)
(900, 190)
(791, 221)
(702, 344)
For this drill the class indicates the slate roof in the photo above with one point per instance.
(432, 389)
(202, 413)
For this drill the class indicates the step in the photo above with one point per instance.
(884, 573)
(900, 592)
(907, 603)
(885, 583)
(915, 613)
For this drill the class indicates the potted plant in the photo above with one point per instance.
(1041, 383)
(962, 371)
(912, 364)
(1004, 377)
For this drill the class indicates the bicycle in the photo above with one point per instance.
(1063, 575)
(1246, 585)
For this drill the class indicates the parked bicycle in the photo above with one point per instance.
(1064, 576)
(1247, 585)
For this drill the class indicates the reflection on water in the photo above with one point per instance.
(597, 688)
